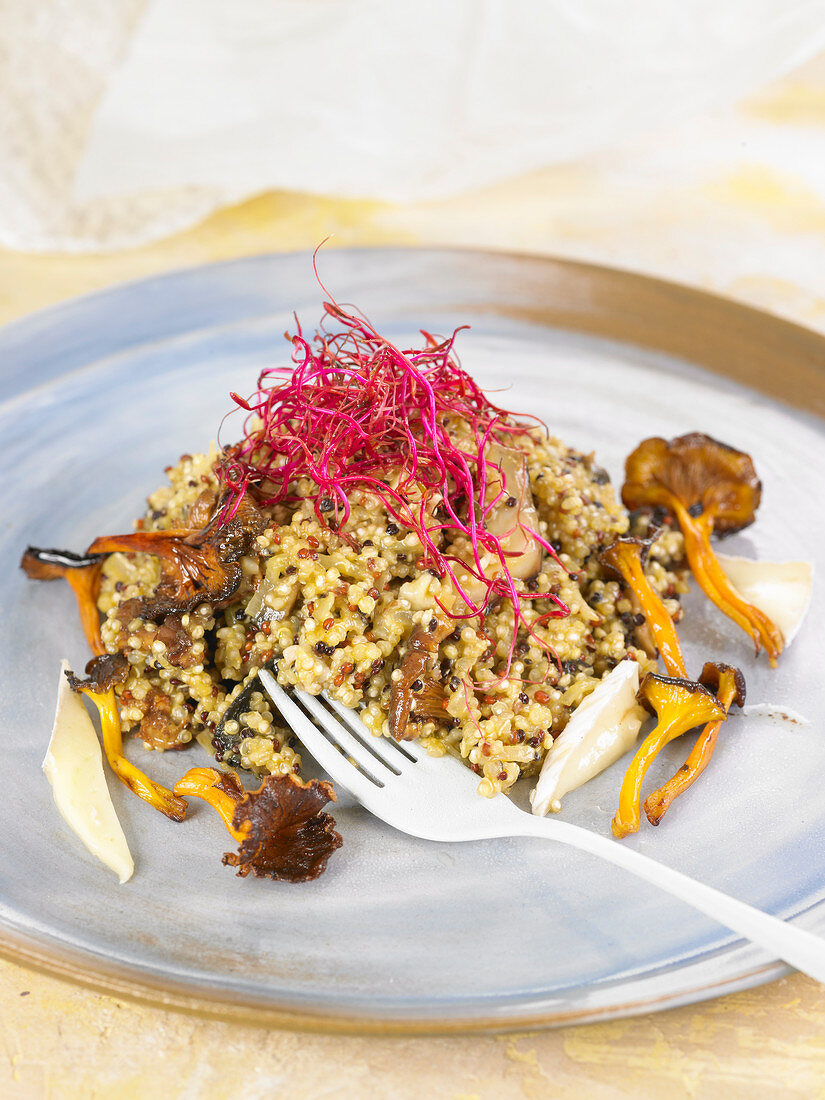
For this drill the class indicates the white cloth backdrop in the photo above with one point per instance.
(125, 120)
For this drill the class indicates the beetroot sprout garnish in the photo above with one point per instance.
(408, 427)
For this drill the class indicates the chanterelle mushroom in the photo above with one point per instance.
(728, 684)
(679, 706)
(626, 557)
(104, 672)
(281, 831)
(197, 566)
(710, 488)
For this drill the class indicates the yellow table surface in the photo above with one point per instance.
(740, 224)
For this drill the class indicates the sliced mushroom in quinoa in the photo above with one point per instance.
(510, 515)
(413, 684)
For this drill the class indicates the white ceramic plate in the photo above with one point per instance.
(399, 934)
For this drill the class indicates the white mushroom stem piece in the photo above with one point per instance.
(513, 518)
(74, 768)
(779, 589)
(601, 729)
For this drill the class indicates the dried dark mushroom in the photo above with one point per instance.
(104, 672)
(280, 829)
(625, 558)
(728, 684)
(679, 705)
(83, 574)
(137, 781)
(197, 566)
(711, 489)
(226, 744)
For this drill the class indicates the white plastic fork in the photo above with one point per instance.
(435, 798)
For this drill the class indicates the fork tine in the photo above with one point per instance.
(353, 724)
(387, 749)
(351, 744)
(324, 751)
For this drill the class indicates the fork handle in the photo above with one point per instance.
(800, 949)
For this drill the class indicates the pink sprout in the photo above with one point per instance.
(355, 414)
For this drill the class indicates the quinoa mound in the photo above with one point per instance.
(335, 614)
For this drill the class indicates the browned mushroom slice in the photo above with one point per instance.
(202, 509)
(625, 558)
(280, 829)
(103, 673)
(83, 575)
(430, 701)
(728, 684)
(200, 566)
(710, 488)
(414, 671)
(679, 706)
